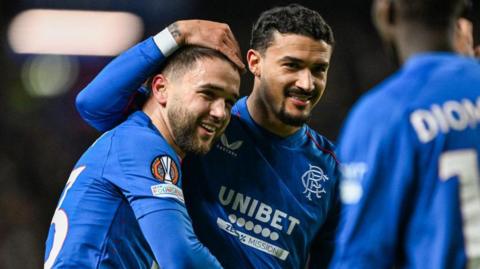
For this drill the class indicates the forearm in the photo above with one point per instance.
(105, 98)
(177, 246)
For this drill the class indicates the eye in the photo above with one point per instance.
(292, 65)
(208, 95)
(319, 69)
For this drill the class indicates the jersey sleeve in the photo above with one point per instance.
(150, 179)
(170, 235)
(377, 192)
(103, 102)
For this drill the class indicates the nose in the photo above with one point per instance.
(218, 110)
(305, 80)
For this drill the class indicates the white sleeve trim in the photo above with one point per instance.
(165, 42)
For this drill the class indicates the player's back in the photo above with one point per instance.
(94, 225)
(421, 184)
(445, 117)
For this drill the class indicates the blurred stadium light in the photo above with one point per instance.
(49, 75)
(74, 32)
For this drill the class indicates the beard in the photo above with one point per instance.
(184, 130)
(281, 112)
(290, 119)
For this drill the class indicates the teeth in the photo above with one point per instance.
(302, 98)
(210, 128)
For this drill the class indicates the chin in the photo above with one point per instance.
(202, 147)
(294, 119)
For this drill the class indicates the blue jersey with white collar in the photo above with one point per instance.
(123, 206)
(411, 185)
(256, 200)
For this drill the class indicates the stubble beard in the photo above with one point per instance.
(289, 119)
(184, 130)
(281, 113)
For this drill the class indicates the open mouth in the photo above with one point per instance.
(208, 128)
(300, 99)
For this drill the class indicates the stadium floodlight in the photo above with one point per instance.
(74, 32)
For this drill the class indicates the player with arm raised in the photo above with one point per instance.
(123, 205)
(268, 187)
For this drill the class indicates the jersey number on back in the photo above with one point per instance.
(464, 165)
(60, 220)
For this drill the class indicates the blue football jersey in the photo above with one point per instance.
(123, 206)
(256, 200)
(410, 188)
(259, 201)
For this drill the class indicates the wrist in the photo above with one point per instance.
(166, 42)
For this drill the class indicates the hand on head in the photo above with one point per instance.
(208, 34)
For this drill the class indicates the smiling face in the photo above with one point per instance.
(196, 103)
(291, 75)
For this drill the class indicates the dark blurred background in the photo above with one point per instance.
(42, 135)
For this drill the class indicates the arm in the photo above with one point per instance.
(104, 102)
(170, 235)
(144, 160)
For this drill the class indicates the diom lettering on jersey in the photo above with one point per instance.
(451, 115)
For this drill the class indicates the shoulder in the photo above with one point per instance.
(321, 143)
(133, 138)
(380, 120)
(383, 108)
(141, 150)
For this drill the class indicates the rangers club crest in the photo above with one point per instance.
(312, 181)
(165, 169)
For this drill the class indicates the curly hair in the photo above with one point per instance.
(291, 19)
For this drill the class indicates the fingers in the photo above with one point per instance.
(233, 55)
(233, 41)
(231, 49)
(225, 42)
(209, 34)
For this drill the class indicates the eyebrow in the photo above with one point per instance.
(296, 60)
(210, 86)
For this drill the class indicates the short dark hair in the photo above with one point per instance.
(291, 19)
(433, 13)
(185, 57)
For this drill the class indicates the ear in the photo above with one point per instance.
(254, 60)
(159, 89)
(384, 17)
(463, 41)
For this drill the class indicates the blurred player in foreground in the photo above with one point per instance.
(123, 206)
(410, 148)
(267, 189)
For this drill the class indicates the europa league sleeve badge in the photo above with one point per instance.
(165, 169)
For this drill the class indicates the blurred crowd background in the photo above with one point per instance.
(41, 133)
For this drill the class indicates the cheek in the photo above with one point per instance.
(276, 84)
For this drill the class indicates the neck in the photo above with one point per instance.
(263, 116)
(415, 38)
(159, 119)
